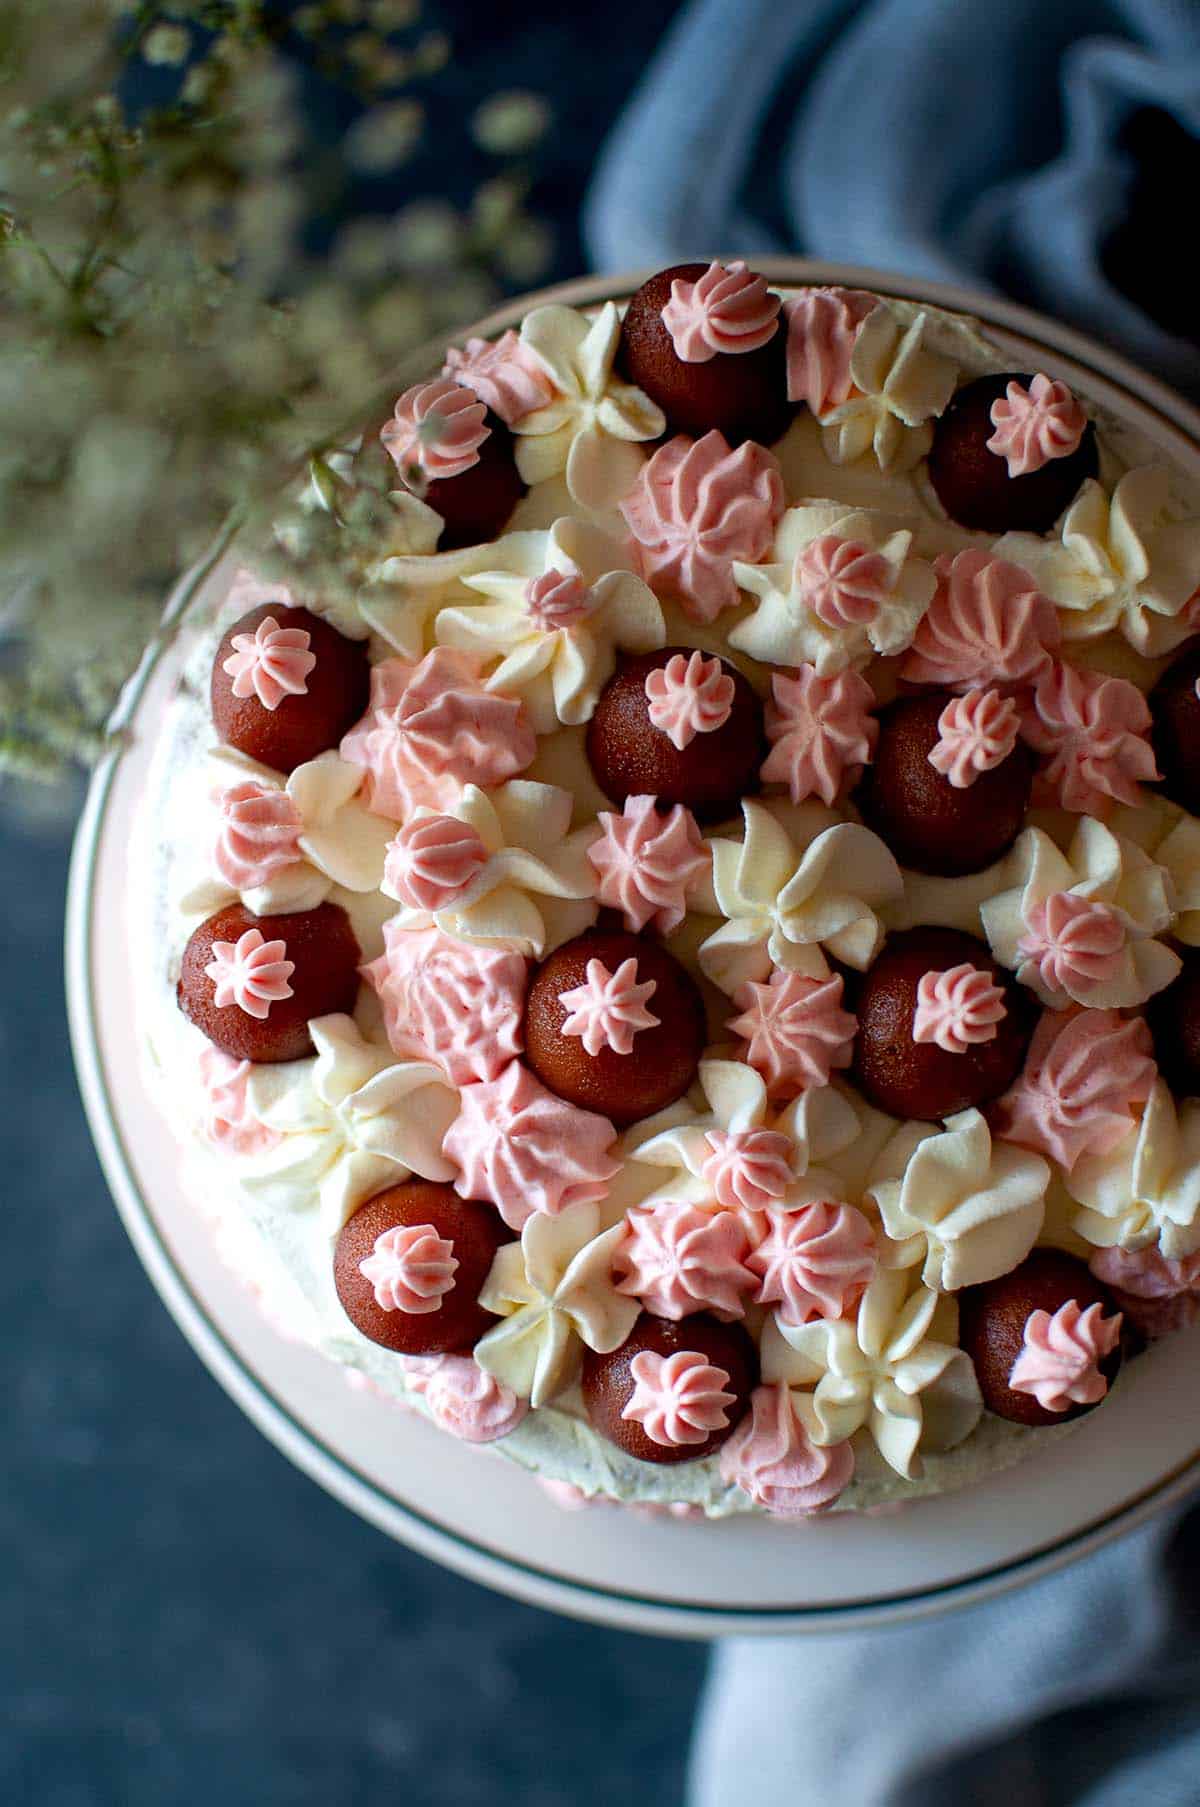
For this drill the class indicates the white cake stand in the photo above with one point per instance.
(482, 1515)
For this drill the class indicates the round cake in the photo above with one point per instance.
(685, 975)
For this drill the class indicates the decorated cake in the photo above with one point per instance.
(689, 974)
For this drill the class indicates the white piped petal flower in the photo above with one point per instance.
(900, 383)
(1146, 1191)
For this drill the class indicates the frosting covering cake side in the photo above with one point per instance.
(688, 978)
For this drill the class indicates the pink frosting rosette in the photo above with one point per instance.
(524, 1150)
(844, 582)
(432, 861)
(1034, 425)
(677, 1258)
(678, 1399)
(695, 508)
(271, 663)
(822, 326)
(988, 624)
(689, 696)
(795, 1030)
(462, 1398)
(647, 863)
(229, 1120)
(821, 730)
(503, 373)
(411, 1268)
(958, 1009)
(772, 1458)
(609, 1009)
(436, 431)
(458, 1004)
(728, 309)
(259, 834)
(1086, 1074)
(816, 1262)
(250, 974)
(748, 1169)
(1096, 730)
(1059, 1362)
(1074, 943)
(976, 733)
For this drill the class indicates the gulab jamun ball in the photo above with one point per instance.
(1175, 731)
(1049, 1331)
(683, 731)
(614, 1024)
(708, 344)
(930, 823)
(1051, 448)
(409, 1266)
(253, 984)
(286, 686)
(941, 1026)
(673, 1392)
(1174, 1019)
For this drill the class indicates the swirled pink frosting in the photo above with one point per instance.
(843, 582)
(1096, 730)
(458, 1004)
(679, 1258)
(258, 835)
(462, 1398)
(795, 1030)
(1073, 942)
(988, 624)
(432, 861)
(748, 1169)
(431, 728)
(436, 430)
(976, 733)
(411, 1269)
(271, 663)
(820, 729)
(1085, 1076)
(695, 508)
(678, 1399)
(228, 1120)
(726, 309)
(503, 373)
(558, 600)
(822, 325)
(518, 1146)
(816, 1262)
(1157, 1296)
(1034, 425)
(958, 1009)
(771, 1457)
(1059, 1363)
(688, 696)
(251, 973)
(609, 1009)
(646, 863)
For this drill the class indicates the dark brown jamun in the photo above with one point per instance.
(1175, 734)
(475, 505)
(1174, 1019)
(973, 484)
(324, 956)
(609, 1382)
(410, 1298)
(930, 824)
(742, 394)
(630, 757)
(922, 1080)
(299, 726)
(992, 1320)
(661, 1062)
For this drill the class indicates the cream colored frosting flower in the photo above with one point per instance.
(1146, 1192)
(320, 836)
(349, 1122)
(592, 428)
(554, 1292)
(554, 624)
(532, 886)
(892, 1369)
(840, 586)
(410, 590)
(1080, 926)
(815, 1128)
(900, 384)
(1127, 563)
(1171, 838)
(798, 882)
(965, 1208)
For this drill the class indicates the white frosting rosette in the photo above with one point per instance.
(900, 384)
(785, 630)
(594, 427)
(554, 1293)
(820, 1124)
(1102, 868)
(559, 662)
(337, 840)
(1147, 1191)
(1171, 838)
(530, 900)
(350, 1122)
(893, 1369)
(411, 590)
(800, 880)
(1128, 563)
(962, 1207)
